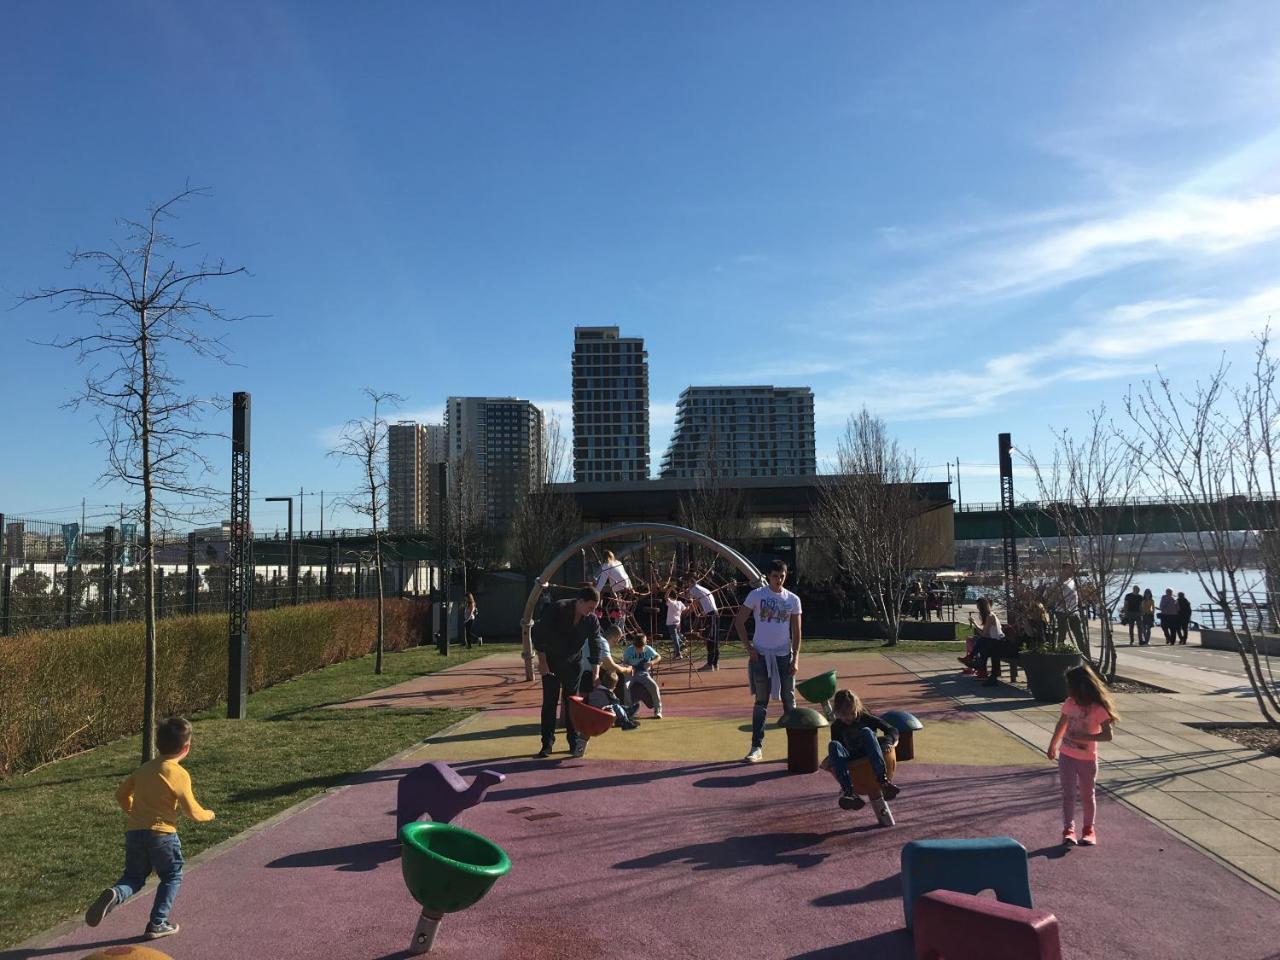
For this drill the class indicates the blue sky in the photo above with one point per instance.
(970, 217)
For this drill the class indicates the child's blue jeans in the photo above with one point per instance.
(144, 851)
(673, 634)
(865, 745)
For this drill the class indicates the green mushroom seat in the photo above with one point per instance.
(819, 689)
(447, 868)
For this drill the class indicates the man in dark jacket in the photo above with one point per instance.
(1184, 617)
(567, 640)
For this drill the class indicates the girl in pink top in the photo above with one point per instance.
(1087, 718)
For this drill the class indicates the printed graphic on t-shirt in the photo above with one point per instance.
(774, 610)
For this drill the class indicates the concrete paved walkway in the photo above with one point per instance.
(1220, 797)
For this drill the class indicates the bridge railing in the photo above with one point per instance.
(985, 507)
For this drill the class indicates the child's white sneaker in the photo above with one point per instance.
(755, 756)
(883, 814)
(166, 929)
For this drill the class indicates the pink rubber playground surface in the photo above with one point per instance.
(707, 859)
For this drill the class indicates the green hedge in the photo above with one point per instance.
(63, 691)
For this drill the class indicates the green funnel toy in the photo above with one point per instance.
(446, 869)
(820, 689)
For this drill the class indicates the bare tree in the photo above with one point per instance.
(870, 509)
(716, 506)
(545, 521)
(1211, 453)
(1088, 492)
(467, 512)
(363, 441)
(147, 307)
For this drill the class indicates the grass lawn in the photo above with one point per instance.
(62, 832)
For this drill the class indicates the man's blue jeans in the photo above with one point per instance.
(144, 851)
(759, 676)
(865, 745)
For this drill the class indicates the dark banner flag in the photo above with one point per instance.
(128, 536)
(71, 543)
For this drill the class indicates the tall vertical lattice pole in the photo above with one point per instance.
(240, 579)
(1006, 509)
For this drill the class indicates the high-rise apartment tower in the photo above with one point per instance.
(610, 406)
(496, 444)
(755, 431)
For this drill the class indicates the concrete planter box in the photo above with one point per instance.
(1046, 674)
(1222, 640)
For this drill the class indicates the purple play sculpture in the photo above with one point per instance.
(436, 790)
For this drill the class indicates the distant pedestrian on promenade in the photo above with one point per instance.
(1169, 617)
(469, 611)
(153, 796)
(1131, 612)
(1148, 618)
(1088, 714)
(1184, 617)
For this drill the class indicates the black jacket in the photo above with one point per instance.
(844, 733)
(569, 647)
(1184, 610)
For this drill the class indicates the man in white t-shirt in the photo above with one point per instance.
(774, 650)
(704, 607)
(1068, 609)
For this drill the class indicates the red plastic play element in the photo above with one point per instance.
(589, 721)
(962, 926)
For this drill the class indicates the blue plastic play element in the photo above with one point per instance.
(966, 866)
(902, 720)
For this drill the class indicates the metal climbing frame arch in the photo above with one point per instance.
(622, 531)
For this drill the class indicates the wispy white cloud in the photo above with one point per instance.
(1123, 341)
(1175, 227)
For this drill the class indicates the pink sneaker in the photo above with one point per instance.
(1069, 836)
(1088, 838)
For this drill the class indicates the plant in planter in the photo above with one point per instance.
(1044, 659)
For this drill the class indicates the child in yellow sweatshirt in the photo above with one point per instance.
(152, 796)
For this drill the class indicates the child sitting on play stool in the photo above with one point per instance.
(853, 736)
(642, 658)
(603, 698)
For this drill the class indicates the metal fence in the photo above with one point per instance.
(55, 577)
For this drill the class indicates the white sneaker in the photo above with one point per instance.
(755, 756)
(883, 814)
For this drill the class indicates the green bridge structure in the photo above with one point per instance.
(986, 521)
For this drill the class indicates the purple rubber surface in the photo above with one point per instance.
(670, 860)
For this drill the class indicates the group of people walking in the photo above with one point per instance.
(1140, 610)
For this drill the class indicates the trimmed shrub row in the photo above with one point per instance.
(63, 691)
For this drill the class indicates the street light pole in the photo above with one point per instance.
(293, 570)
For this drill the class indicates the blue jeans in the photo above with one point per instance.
(758, 674)
(673, 634)
(144, 851)
(866, 745)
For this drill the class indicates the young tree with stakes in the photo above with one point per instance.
(147, 308)
(870, 510)
(363, 441)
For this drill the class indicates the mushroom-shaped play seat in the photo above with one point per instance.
(589, 721)
(802, 726)
(820, 689)
(446, 869)
(906, 725)
(863, 776)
